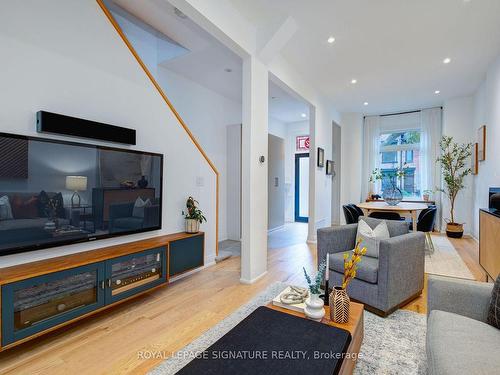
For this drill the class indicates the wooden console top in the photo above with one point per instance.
(42, 267)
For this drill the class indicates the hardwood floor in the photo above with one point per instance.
(123, 340)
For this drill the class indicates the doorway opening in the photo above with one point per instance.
(302, 187)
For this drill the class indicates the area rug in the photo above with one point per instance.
(445, 260)
(394, 345)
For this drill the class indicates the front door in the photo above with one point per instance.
(302, 187)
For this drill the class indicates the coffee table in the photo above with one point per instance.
(355, 326)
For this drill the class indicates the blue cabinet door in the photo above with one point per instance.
(186, 254)
(39, 303)
(134, 273)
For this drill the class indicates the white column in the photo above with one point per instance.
(254, 172)
(313, 157)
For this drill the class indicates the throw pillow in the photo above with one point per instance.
(139, 207)
(370, 238)
(44, 206)
(494, 313)
(5, 209)
(24, 208)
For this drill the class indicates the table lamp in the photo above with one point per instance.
(76, 184)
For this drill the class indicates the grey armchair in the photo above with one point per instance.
(459, 341)
(385, 283)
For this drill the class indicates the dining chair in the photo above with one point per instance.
(385, 215)
(350, 215)
(425, 223)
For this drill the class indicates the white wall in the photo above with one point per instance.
(351, 159)
(79, 66)
(277, 127)
(458, 114)
(487, 112)
(207, 114)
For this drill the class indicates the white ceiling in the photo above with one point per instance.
(393, 48)
(285, 106)
(207, 58)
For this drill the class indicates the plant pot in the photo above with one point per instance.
(454, 230)
(314, 307)
(192, 226)
(339, 305)
(392, 196)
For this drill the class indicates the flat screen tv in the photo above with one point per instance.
(55, 193)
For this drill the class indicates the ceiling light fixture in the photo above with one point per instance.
(353, 81)
(365, 103)
(303, 115)
(331, 40)
(446, 60)
(437, 92)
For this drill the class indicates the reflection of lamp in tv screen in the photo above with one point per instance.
(76, 184)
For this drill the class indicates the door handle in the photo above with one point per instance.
(103, 285)
(109, 283)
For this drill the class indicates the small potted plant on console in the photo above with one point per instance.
(194, 216)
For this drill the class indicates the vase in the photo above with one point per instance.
(392, 196)
(314, 307)
(142, 183)
(339, 305)
(192, 226)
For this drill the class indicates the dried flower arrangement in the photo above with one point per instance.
(350, 263)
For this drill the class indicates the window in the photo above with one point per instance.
(389, 157)
(398, 150)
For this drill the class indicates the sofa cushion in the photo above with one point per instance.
(494, 311)
(370, 238)
(5, 208)
(460, 345)
(396, 228)
(6, 225)
(131, 223)
(24, 208)
(367, 267)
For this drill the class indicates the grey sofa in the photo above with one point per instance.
(385, 283)
(458, 339)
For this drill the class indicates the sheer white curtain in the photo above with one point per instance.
(431, 132)
(371, 146)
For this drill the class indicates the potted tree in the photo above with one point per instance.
(194, 216)
(453, 164)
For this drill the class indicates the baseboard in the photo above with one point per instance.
(181, 276)
(245, 281)
(269, 231)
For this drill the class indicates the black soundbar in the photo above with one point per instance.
(48, 122)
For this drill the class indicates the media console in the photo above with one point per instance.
(42, 296)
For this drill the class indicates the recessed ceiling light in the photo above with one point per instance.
(437, 92)
(353, 81)
(331, 40)
(303, 115)
(365, 103)
(228, 70)
(446, 60)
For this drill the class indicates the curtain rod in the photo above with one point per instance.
(403, 113)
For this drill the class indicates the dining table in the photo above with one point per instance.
(407, 209)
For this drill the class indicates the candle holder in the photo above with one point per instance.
(326, 296)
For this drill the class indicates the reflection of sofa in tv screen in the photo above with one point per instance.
(126, 217)
(29, 217)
